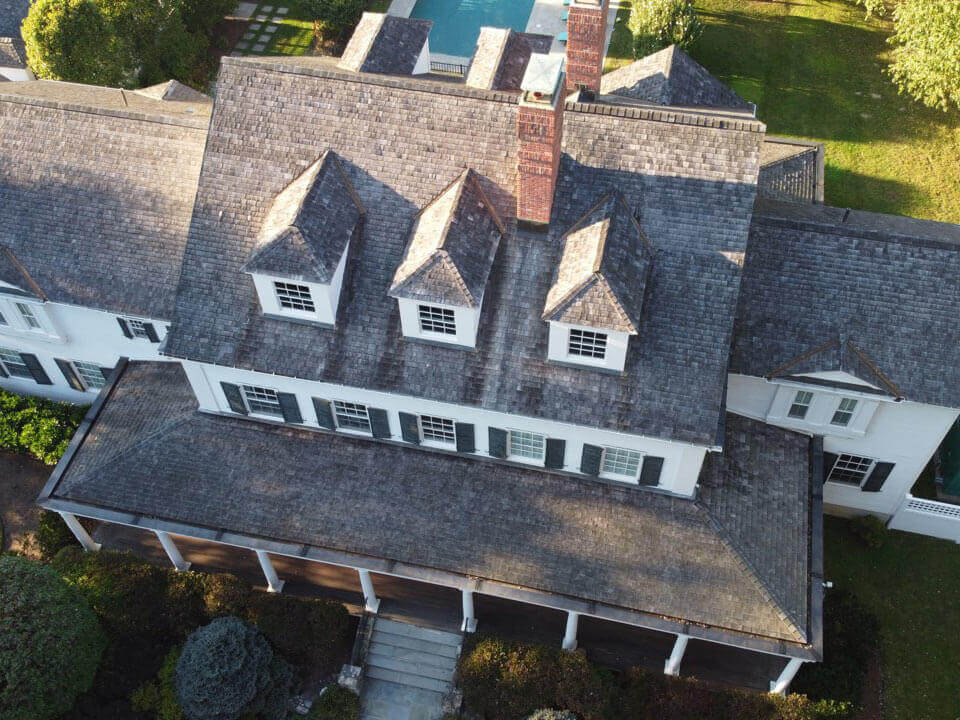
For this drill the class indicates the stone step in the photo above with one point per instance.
(409, 643)
(385, 700)
(436, 636)
(403, 678)
(425, 670)
(418, 657)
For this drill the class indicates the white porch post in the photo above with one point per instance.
(274, 583)
(469, 618)
(172, 552)
(672, 665)
(570, 634)
(80, 532)
(781, 684)
(370, 599)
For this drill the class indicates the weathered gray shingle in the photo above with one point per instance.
(386, 44)
(736, 560)
(501, 56)
(690, 177)
(13, 53)
(96, 190)
(861, 288)
(12, 13)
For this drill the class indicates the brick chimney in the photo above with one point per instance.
(540, 131)
(586, 43)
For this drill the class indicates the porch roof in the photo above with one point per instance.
(713, 568)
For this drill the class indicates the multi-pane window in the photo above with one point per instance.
(850, 469)
(90, 374)
(620, 461)
(527, 445)
(14, 364)
(262, 401)
(800, 405)
(137, 328)
(844, 413)
(26, 312)
(437, 320)
(294, 297)
(437, 429)
(351, 415)
(586, 343)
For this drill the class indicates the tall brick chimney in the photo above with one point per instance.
(586, 43)
(540, 131)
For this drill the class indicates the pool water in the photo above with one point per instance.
(457, 23)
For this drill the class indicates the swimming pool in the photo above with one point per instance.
(457, 23)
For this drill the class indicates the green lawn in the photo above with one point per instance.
(912, 583)
(815, 70)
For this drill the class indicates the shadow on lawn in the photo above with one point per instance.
(846, 188)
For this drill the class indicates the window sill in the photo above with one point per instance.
(38, 335)
(535, 462)
(625, 479)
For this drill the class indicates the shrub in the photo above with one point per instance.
(850, 642)
(38, 427)
(226, 594)
(552, 715)
(655, 24)
(869, 529)
(310, 633)
(336, 703)
(228, 669)
(50, 642)
(158, 697)
(52, 535)
(334, 17)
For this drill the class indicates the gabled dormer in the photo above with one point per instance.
(300, 259)
(596, 299)
(440, 282)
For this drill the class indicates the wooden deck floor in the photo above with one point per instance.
(610, 644)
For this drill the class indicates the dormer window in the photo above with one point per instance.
(595, 302)
(844, 412)
(300, 259)
(29, 318)
(441, 279)
(800, 405)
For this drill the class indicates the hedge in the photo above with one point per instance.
(336, 703)
(36, 426)
(504, 680)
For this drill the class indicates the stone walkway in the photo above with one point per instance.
(261, 29)
(409, 671)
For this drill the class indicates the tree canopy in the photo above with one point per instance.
(927, 62)
(50, 642)
(655, 24)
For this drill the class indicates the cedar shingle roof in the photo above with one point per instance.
(501, 57)
(96, 191)
(603, 271)
(309, 225)
(13, 53)
(452, 245)
(12, 13)
(385, 44)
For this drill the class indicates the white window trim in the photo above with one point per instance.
(295, 312)
(524, 458)
(866, 474)
(433, 334)
(6, 367)
(588, 359)
(17, 325)
(255, 413)
(351, 430)
(430, 442)
(806, 406)
(635, 478)
(857, 405)
(83, 381)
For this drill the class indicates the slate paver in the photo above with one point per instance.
(259, 47)
(245, 9)
(242, 45)
(255, 26)
(277, 18)
(263, 18)
(264, 38)
(270, 29)
(249, 36)
(282, 10)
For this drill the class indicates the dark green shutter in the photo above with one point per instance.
(410, 428)
(556, 450)
(151, 332)
(650, 472)
(498, 442)
(67, 370)
(106, 373)
(234, 398)
(124, 327)
(465, 438)
(289, 407)
(36, 369)
(590, 459)
(324, 413)
(829, 460)
(379, 423)
(878, 476)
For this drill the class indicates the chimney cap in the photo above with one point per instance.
(542, 76)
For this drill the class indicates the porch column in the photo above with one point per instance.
(370, 599)
(570, 634)
(274, 583)
(172, 552)
(782, 683)
(80, 532)
(469, 618)
(672, 665)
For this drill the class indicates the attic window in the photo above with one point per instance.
(844, 413)
(352, 416)
(800, 405)
(262, 401)
(437, 320)
(294, 297)
(588, 344)
(28, 317)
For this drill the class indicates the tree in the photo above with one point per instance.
(656, 24)
(333, 16)
(50, 642)
(552, 715)
(228, 669)
(927, 62)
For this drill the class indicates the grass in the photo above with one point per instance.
(815, 68)
(912, 584)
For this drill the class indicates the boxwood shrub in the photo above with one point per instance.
(41, 428)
